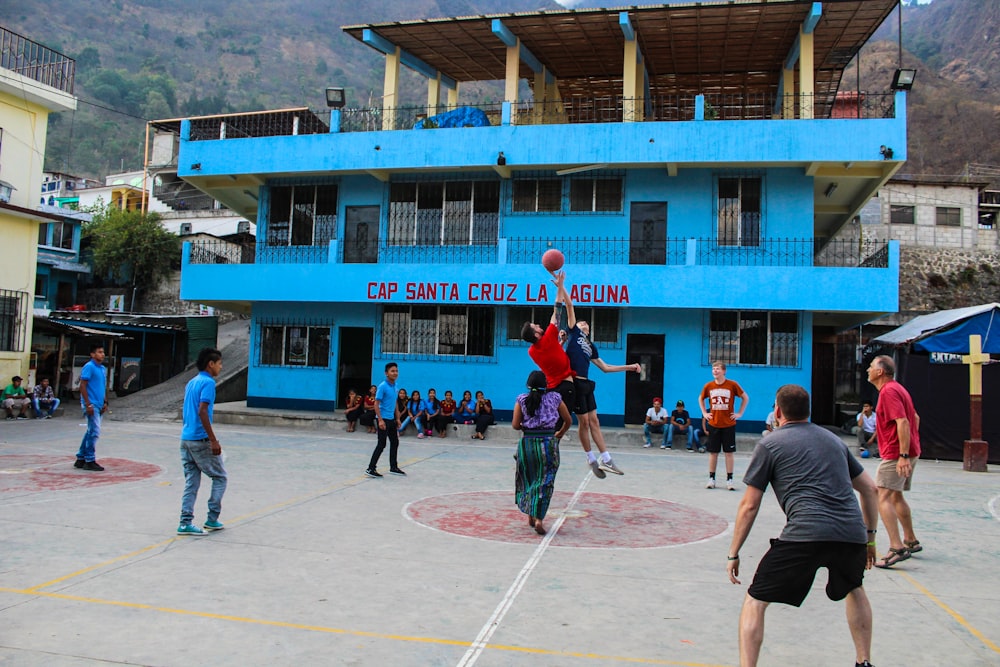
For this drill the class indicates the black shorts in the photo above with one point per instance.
(722, 439)
(567, 389)
(585, 402)
(787, 570)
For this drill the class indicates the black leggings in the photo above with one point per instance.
(482, 421)
(440, 422)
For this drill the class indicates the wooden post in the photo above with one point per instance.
(976, 450)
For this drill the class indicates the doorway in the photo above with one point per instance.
(355, 362)
(640, 388)
(361, 234)
(648, 233)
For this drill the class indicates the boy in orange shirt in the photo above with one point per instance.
(721, 415)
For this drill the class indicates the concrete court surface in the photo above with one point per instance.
(320, 565)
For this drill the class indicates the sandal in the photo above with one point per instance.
(894, 556)
(914, 546)
(539, 528)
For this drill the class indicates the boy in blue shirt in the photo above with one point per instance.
(387, 412)
(93, 400)
(200, 449)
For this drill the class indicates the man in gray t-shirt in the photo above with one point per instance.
(814, 477)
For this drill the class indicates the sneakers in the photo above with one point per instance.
(189, 529)
(92, 465)
(214, 525)
(610, 466)
(79, 463)
(10, 418)
(371, 472)
(711, 483)
(648, 445)
(666, 447)
(421, 435)
(730, 485)
(22, 416)
(396, 471)
(701, 450)
(595, 467)
(863, 664)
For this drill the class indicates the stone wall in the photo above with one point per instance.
(933, 279)
(163, 300)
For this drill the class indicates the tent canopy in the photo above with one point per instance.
(949, 330)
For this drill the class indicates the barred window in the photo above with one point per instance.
(900, 215)
(739, 208)
(949, 216)
(302, 215)
(13, 316)
(753, 338)
(537, 195)
(603, 321)
(290, 345)
(444, 213)
(438, 330)
(595, 194)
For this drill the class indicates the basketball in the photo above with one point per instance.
(553, 260)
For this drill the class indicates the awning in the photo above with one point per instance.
(42, 323)
(75, 267)
(950, 330)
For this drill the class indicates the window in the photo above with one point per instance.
(444, 213)
(302, 215)
(43, 233)
(595, 194)
(291, 345)
(537, 195)
(753, 337)
(62, 235)
(948, 216)
(900, 215)
(740, 211)
(437, 330)
(603, 321)
(13, 314)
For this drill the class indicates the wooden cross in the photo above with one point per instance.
(975, 359)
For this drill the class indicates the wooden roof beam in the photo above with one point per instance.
(510, 40)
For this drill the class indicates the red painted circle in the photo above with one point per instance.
(596, 520)
(31, 472)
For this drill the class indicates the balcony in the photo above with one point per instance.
(36, 62)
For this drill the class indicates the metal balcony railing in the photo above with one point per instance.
(570, 110)
(36, 62)
(617, 251)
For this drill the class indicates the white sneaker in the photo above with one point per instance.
(711, 483)
(730, 485)
(610, 466)
(596, 469)
(648, 445)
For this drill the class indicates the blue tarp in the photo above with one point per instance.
(949, 330)
(460, 117)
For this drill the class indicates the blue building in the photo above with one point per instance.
(59, 270)
(692, 162)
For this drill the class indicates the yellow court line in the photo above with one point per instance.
(299, 499)
(951, 612)
(353, 633)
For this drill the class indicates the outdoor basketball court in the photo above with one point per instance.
(320, 565)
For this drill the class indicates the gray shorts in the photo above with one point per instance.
(886, 476)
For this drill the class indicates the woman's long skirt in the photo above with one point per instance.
(537, 464)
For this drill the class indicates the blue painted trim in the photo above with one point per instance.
(815, 14)
(793, 54)
(311, 405)
(508, 38)
(626, 25)
(379, 43)
(699, 107)
(335, 121)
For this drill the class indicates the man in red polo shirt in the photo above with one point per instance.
(897, 427)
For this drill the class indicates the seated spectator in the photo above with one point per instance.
(367, 417)
(866, 429)
(445, 416)
(44, 400)
(432, 408)
(484, 416)
(699, 432)
(415, 412)
(402, 398)
(680, 421)
(466, 413)
(770, 422)
(14, 396)
(656, 421)
(353, 409)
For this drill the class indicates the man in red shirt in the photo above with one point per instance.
(721, 415)
(897, 427)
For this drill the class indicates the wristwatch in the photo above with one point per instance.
(904, 456)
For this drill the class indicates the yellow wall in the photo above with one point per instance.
(22, 153)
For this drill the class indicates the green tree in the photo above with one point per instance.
(130, 247)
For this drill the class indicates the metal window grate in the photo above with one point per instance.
(13, 320)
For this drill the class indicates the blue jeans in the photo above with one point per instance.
(417, 421)
(687, 429)
(54, 403)
(197, 457)
(88, 446)
(647, 429)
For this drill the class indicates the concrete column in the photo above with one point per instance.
(390, 90)
(807, 79)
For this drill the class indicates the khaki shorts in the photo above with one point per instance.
(886, 476)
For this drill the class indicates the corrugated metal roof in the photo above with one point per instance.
(925, 326)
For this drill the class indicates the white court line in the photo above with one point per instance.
(993, 506)
(493, 624)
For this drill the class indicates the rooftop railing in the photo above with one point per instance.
(806, 252)
(570, 110)
(36, 62)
